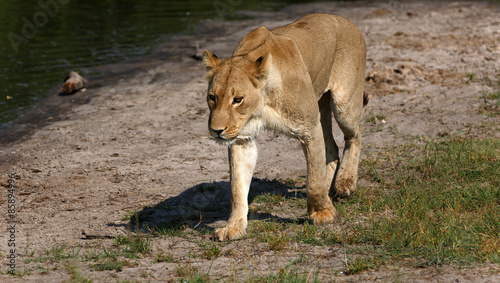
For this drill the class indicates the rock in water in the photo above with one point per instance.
(73, 83)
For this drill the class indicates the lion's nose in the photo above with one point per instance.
(218, 132)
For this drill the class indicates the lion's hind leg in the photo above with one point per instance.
(346, 85)
(348, 116)
(331, 148)
(347, 175)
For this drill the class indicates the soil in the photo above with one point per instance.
(138, 140)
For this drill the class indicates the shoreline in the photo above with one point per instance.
(54, 107)
(138, 141)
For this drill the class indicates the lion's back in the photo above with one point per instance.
(322, 40)
(312, 43)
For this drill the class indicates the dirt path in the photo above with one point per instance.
(142, 141)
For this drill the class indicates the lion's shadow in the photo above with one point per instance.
(202, 205)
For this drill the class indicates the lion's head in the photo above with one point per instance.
(235, 95)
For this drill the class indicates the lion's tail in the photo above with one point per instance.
(366, 98)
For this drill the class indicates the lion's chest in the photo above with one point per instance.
(278, 121)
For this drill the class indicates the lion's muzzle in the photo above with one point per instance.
(217, 132)
(221, 136)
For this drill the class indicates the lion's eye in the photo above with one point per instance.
(237, 100)
(211, 97)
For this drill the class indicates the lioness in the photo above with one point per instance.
(290, 80)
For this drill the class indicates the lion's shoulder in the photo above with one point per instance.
(253, 41)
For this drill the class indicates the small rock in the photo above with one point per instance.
(73, 83)
(198, 53)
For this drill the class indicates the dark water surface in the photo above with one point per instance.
(41, 41)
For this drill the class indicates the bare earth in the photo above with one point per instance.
(142, 141)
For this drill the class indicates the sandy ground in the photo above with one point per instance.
(140, 138)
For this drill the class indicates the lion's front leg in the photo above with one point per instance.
(242, 159)
(319, 204)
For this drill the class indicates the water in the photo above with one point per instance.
(44, 40)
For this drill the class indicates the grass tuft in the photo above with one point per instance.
(443, 204)
(135, 243)
(175, 227)
(270, 199)
(210, 251)
(116, 265)
(74, 272)
(162, 256)
(285, 275)
(361, 264)
(276, 241)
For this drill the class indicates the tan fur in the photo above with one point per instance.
(290, 80)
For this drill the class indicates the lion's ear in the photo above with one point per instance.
(211, 62)
(264, 65)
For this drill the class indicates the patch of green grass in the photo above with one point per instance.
(210, 251)
(440, 206)
(297, 202)
(43, 270)
(121, 240)
(188, 271)
(372, 117)
(258, 228)
(29, 255)
(270, 232)
(277, 240)
(490, 93)
(361, 264)
(56, 251)
(175, 227)
(130, 214)
(108, 253)
(330, 237)
(307, 234)
(91, 255)
(162, 256)
(145, 274)
(21, 274)
(59, 252)
(351, 237)
(471, 77)
(135, 243)
(116, 265)
(74, 272)
(270, 199)
(286, 275)
(137, 217)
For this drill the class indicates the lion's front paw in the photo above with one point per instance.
(344, 187)
(228, 233)
(324, 216)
